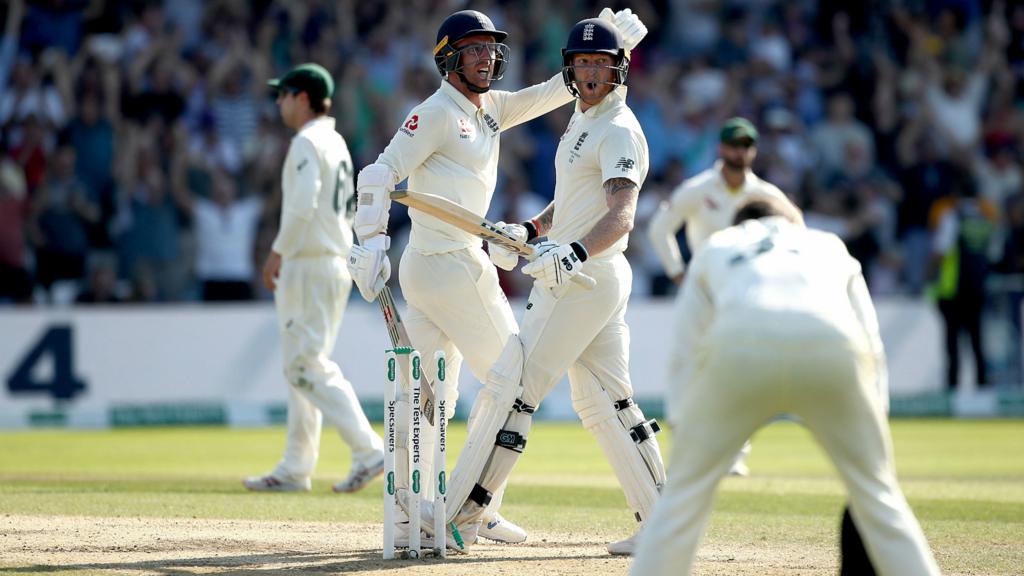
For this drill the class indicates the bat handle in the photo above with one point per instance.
(585, 281)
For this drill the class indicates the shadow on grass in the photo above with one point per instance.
(290, 563)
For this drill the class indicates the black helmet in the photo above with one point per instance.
(458, 26)
(594, 36)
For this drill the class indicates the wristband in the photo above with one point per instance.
(580, 251)
(531, 229)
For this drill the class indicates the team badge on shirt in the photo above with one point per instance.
(410, 125)
(466, 129)
(491, 123)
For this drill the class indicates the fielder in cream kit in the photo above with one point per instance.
(601, 163)
(306, 270)
(706, 204)
(448, 146)
(780, 322)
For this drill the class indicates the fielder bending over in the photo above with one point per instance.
(706, 204)
(783, 324)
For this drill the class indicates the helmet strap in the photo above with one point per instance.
(470, 86)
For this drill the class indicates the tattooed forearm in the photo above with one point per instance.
(621, 195)
(616, 185)
(545, 219)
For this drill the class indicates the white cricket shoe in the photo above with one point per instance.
(427, 540)
(359, 477)
(739, 468)
(624, 547)
(500, 529)
(271, 483)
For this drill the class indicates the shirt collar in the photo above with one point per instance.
(718, 174)
(613, 98)
(317, 119)
(459, 98)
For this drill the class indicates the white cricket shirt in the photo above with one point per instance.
(705, 204)
(316, 183)
(449, 147)
(602, 143)
(772, 264)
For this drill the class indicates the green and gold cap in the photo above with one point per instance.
(736, 129)
(313, 79)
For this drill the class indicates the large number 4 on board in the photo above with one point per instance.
(62, 385)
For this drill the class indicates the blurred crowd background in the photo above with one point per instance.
(141, 148)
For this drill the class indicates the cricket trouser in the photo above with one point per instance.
(752, 366)
(584, 333)
(310, 300)
(674, 371)
(455, 304)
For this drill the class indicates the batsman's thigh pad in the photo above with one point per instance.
(490, 412)
(628, 443)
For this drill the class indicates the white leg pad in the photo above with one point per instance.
(490, 413)
(629, 444)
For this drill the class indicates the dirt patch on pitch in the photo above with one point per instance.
(159, 546)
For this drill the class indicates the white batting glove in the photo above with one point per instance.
(630, 26)
(503, 257)
(370, 266)
(554, 265)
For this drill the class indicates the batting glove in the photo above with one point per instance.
(370, 266)
(630, 26)
(503, 257)
(554, 265)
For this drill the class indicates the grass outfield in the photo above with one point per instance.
(964, 479)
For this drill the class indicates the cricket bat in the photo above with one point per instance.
(447, 211)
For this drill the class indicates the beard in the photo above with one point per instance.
(731, 164)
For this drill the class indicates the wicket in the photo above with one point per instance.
(392, 391)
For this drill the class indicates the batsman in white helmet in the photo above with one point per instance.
(601, 164)
(306, 270)
(785, 325)
(448, 146)
(705, 204)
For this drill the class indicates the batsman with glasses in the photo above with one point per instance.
(448, 146)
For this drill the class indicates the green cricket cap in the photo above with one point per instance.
(736, 129)
(313, 79)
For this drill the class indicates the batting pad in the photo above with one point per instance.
(638, 466)
(490, 412)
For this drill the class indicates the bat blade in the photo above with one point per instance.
(464, 219)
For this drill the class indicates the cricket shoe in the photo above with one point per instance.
(454, 539)
(624, 547)
(359, 477)
(739, 468)
(500, 529)
(271, 483)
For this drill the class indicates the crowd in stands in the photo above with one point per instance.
(141, 149)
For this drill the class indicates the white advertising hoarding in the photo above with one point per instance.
(100, 366)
